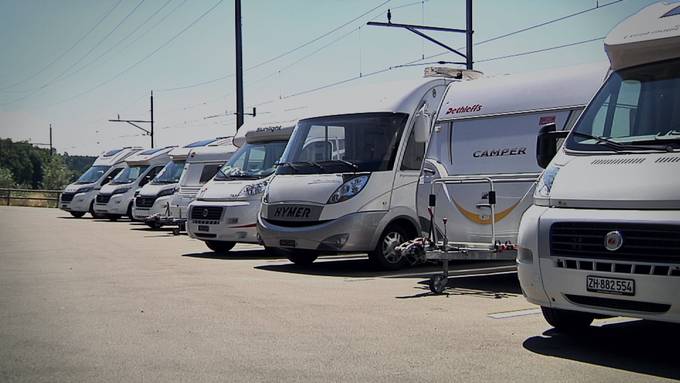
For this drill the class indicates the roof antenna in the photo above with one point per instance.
(389, 16)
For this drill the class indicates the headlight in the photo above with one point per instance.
(349, 189)
(545, 184)
(84, 190)
(166, 192)
(253, 189)
(121, 191)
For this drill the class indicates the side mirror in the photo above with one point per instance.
(546, 143)
(106, 180)
(421, 127)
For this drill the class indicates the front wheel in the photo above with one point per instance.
(567, 320)
(77, 214)
(220, 246)
(385, 256)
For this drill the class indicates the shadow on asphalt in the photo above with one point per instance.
(358, 266)
(496, 285)
(643, 347)
(236, 255)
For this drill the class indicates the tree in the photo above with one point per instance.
(6, 178)
(55, 173)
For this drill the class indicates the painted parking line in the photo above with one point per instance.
(515, 313)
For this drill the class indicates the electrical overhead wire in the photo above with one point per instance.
(146, 57)
(64, 53)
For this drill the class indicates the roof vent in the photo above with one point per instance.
(460, 74)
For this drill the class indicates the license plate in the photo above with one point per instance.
(287, 243)
(615, 286)
(203, 228)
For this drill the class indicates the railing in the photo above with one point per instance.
(24, 197)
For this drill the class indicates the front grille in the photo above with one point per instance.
(67, 197)
(641, 242)
(618, 304)
(145, 202)
(103, 198)
(619, 267)
(293, 223)
(209, 213)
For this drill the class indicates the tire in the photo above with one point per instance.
(91, 211)
(304, 258)
(129, 213)
(77, 214)
(113, 217)
(220, 246)
(567, 320)
(383, 256)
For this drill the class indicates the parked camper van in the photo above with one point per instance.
(602, 238)
(154, 198)
(201, 166)
(115, 199)
(78, 197)
(480, 167)
(225, 210)
(348, 177)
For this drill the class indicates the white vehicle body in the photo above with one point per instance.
(200, 167)
(155, 198)
(486, 133)
(344, 198)
(225, 210)
(603, 236)
(78, 197)
(115, 199)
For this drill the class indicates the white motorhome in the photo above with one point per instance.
(603, 235)
(225, 210)
(484, 138)
(116, 198)
(154, 198)
(78, 197)
(348, 177)
(201, 166)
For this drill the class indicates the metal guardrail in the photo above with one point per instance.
(9, 194)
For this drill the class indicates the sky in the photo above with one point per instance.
(76, 64)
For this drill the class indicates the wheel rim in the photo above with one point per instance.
(389, 244)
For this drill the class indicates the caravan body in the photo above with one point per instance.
(225, 210)
(115, 199)
(348, 177)
(154, 198)
(201, 165)
(78, 197)
(484, 137)
(603, 235)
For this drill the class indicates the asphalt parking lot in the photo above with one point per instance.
(91, 300)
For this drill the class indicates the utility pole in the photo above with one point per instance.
(418, 30)
(50, 140)
(239, 65)
(135, 122)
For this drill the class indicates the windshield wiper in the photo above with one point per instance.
(289, 164)
(354, 166)
(671, 135)
(618, 146)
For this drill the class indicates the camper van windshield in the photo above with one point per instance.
(92, 174)
(129, 175)
(252, 161)
(170, 174)
(637, 109)
(347, 143)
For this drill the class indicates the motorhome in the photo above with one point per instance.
(226, 208)
(152, 203)
(78, 197)
(603, 235)
(201, 166)
(115, 199)
(348, 177)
